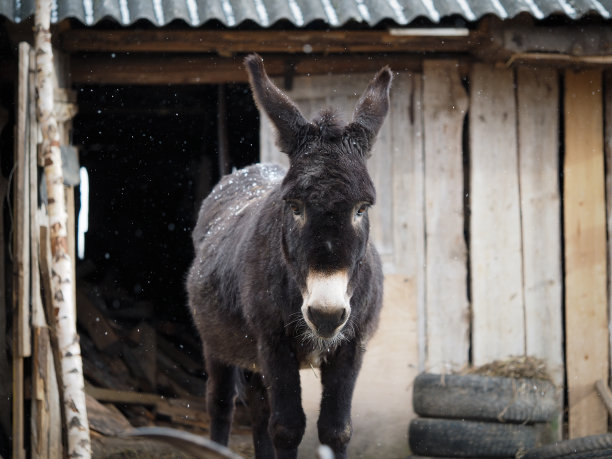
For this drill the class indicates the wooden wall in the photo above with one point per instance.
(492, 205)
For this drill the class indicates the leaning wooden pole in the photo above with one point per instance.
(77, 426)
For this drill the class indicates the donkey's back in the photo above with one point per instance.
(232, 201)
(222, 238)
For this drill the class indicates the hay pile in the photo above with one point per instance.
(513, 367)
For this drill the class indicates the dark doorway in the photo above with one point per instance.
(152, 154)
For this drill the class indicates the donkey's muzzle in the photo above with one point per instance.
(326, 321)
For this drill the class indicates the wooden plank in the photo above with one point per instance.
(447, 309)
(5, 373)
(405, 122)
(495, 228)
(538, 134)
(608, 162)
(123, 396)
(21, 247)
(21, 330)
(38, 315)
(106, 420)
(95, 323)
(71, 235)
(196, 69)
(229, 42)
(585, 252)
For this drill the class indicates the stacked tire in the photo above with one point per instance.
(479, 416)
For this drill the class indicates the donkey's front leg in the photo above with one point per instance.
(338, 376)
(282, 378)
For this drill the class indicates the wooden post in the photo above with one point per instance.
(77, 426)
(448, 313)
(585, 252)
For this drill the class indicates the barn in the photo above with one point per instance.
(494, 190)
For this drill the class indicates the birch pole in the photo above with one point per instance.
(77, 426)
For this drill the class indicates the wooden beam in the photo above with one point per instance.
(585, 252)
(152, 69)
(520, 38)
(123, 396)
(230, 42)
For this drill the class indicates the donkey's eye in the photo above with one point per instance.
(361, 210)
(295, 208)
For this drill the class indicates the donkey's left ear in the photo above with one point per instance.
(373, 106)
(283, 113)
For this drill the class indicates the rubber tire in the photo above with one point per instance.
(484, 398)
(593, 446)
(457, 438)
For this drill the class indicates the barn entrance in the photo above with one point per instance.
(152, 153)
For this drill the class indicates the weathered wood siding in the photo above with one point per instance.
(495, 226)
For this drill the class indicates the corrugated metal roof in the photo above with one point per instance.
(301, 12)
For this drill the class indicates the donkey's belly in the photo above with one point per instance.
(227, 339)
(239, 350)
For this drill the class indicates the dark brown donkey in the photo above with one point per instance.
(285, 275)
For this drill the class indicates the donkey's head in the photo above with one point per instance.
(327, 193)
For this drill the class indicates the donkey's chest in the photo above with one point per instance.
(313, 359)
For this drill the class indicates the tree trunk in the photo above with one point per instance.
(64, 320)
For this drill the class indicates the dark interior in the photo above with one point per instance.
(152, 155)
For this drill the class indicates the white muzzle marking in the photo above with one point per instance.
(327, 293)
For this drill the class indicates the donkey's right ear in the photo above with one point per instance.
(283, 113)
(373, 105)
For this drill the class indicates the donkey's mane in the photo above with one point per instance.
(329, 124)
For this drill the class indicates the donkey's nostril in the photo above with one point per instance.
(326, 321)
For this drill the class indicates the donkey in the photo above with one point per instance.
(285, 276)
